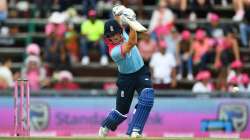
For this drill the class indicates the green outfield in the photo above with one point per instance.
(110, 138)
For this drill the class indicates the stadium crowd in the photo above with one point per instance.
(173, 52)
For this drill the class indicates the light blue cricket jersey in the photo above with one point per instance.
(129, 63)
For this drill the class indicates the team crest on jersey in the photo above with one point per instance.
(111, 28)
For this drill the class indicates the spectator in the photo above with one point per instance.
(23, 8)
(6, 77)
(43, 7)
(184, 55)
(13, 13)
(5, 33)
(55, 30)
(245, 28)
(221, 80)
(244, 83)
(33, 49)
(3, 16)
(215, 29)
(88, 5)
(56, 26)
(71, 43)
(51, 52)
(172, 41)
(58, 56)
(140, 3)
(72, 16)
(92, 32)
(65, 4)
(34, 71)
(179, 7)
(228, 51)
(226, 44)
(226, 75)
(56, 53)
(235, 70)
(161, 18)
(239, 9)
(244, 34)
(163, 66)
(201, 46)
(203, 84)
(200, 8)
(66, 81)
(233, 84)
(63, 60)
(3, 10)
(238, 6)
(5, 38)
(223, 3)
(104, 7)
(147, 47)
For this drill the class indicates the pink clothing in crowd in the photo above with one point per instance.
(161, 16)
(33, 49)
(66, 81)
(57, 29)
(33, 71)
(214, 17)
(203, 84)
(36, 76)
(244, 79)
(147, 48)
(236, 64)
(203, 75)
(200, 48)
(163, 30)
(200, 34)
(33, 76)
(224, 44)
(234, 80)
(185, 35)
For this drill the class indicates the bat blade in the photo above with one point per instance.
(137, 26)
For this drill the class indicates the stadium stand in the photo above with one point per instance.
(27, 29)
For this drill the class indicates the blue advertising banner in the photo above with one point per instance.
(83, 115)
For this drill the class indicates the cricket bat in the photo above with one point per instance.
(128, 16)
(134, 24)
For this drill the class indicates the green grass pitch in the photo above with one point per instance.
(110, 138)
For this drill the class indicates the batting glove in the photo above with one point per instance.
(129, 14)
(118, 10)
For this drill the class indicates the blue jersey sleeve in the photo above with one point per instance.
(116, 53)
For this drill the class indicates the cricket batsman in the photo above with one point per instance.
(133, 75)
